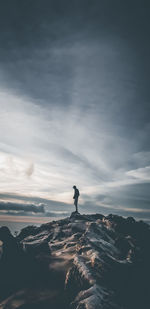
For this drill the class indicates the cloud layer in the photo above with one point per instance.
(21, 207)
(74, 100)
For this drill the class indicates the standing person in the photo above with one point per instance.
(75, 197)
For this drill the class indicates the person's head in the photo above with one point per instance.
(74, 187)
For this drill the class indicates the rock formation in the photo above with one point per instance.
(81, 262)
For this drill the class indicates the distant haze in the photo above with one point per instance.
(75, 107)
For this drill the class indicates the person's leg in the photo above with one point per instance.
(76, 204)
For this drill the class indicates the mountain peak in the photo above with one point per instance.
(83, 261)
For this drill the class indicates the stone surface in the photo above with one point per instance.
(81, 262)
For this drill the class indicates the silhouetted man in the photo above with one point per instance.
(75, 197)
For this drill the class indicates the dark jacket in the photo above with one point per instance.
(76, 193)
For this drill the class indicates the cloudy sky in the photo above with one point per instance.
(74, 99)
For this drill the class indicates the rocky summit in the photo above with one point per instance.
(80, 262)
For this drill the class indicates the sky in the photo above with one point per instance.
(74, 107)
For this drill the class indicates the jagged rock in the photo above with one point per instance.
(85, 262)
(11, 248)
(36, 249)
(27, 231)
(124, 245)
(10, 262)
(75, 214)
(18, 266)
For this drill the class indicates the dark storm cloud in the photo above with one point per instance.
(129, 200)
(45, 45)
(40, 45)
(89, 54)
(91, 208)
(130, 196)
(33, 201)
(31, 206)
(9, 206)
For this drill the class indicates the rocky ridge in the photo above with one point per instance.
(81, 262)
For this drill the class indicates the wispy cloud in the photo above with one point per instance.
(142, 173)
(70, 97)
(30, 170)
